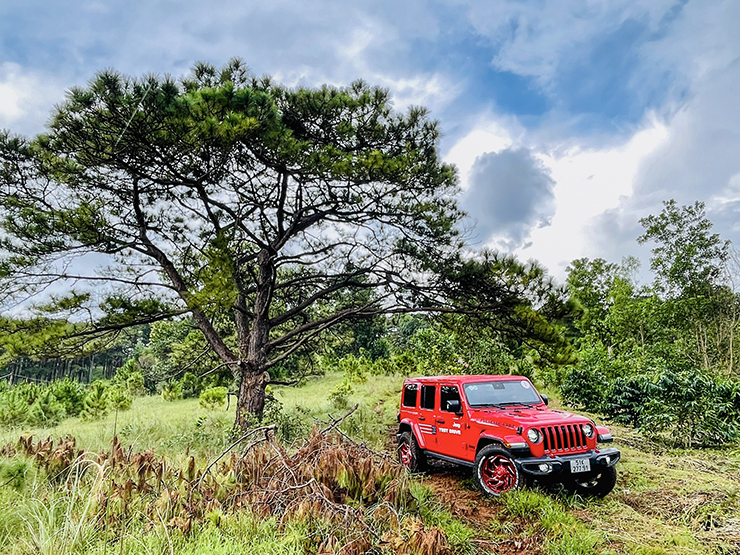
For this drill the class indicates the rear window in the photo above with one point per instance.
(409, 395)
(427, 396)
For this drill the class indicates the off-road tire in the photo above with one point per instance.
(495, 471)
(410, 454)
(598, 485)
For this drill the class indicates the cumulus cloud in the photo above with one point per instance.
(699, 159)
(510, 193)
(25, 97)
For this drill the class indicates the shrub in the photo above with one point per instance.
(172, 391)
(135, 384)
(584, 388)
(289, 425)
(70, 394)
(119, 398)
(355, 369)
(14, 409)
(96, 402)
(213, 398)
(628, 397)
(191, 386)
(46, 410)
(339, 397)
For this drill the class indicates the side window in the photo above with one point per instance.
(427, 396)
(409, 395)
(449, 393)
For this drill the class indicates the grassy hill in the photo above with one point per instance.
(666, 501)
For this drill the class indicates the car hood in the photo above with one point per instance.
(525, 417)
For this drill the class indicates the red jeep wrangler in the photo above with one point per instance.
(501, 427)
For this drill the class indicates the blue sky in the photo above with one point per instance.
(569, 120)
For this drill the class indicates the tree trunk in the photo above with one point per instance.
(254, 375)
(251, 399)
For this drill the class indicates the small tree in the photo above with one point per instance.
(96, 402)
(213, 398)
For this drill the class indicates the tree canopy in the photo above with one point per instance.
(266, 214)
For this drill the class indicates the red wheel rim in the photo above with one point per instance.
(498, 474)
(404, 453)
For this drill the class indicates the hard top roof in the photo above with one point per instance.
(464, 378)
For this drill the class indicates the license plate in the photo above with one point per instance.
(580, 465)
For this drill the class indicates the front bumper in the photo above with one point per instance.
(560, 464)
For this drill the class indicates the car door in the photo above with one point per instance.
(451, 422)
(428, 404)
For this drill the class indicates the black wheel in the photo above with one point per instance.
(495, 471)
(410, 454)
(594, 485)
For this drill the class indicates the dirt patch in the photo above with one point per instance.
(450, 489)
(451, 486)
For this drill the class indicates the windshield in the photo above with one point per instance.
(511, 392)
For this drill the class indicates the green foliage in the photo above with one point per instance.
(688, 258)
(339, 397)
(46, 410)
(191, 385)
(213, 398)
(96, 401)
(119, 397)
(135, 384)
(172, 391)
(70, 394)
(16, 472)
(14, 408)
(290, 425)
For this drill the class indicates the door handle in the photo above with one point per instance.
(422, 418)
(439, 421)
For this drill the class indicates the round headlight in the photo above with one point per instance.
(588, 429)
(533, 435)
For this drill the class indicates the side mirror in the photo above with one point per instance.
(454, 406)
(545, 399)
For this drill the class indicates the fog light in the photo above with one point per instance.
(545, 468)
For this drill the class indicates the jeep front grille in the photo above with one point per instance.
(568, 437)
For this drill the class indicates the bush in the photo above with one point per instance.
(689, 407)
(172, 391)
(46, 410)
(289, 425)
(339, 397)
(70, 394)
(96, 402)
(585, 388)
(14, 409)
(119, 398)
(191, 386)
(213, 398)
(135, 384)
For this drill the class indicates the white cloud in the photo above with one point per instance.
(490, 136)
(589, 182)
(25, 98)
(698, 159)
(534, 39)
